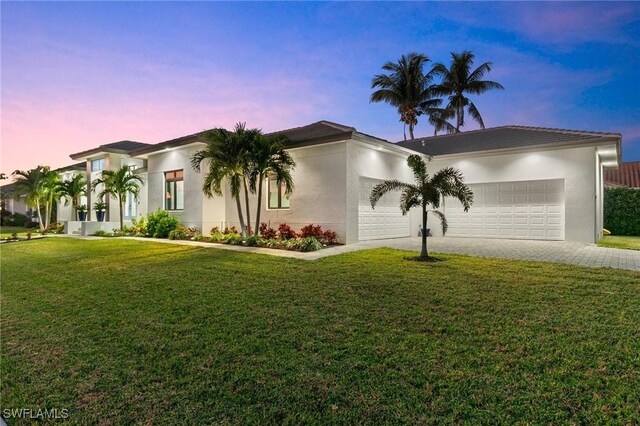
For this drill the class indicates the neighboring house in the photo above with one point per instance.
(626, 176)
(528, 183)
(11, 202)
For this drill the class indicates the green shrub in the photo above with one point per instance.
(217, 237)
(309, 244)
(16, 219)
(160, 224)
(622, 211)
(180, 233)
(101, 233)
(233, 239)
(55, 228)
(197, 237)
(253, 241)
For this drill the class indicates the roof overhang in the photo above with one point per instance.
(96, 152)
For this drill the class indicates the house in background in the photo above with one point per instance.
(528, 183)
(11, 202)
(626, 176)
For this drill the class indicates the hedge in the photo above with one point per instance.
(622, 210)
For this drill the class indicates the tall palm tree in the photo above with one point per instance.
(51, 190)
(71, 190)
(268, 157)
(457, 81)
(406, 87)
(426, 191)
(226, 159)
(30, 185)
(117, 184)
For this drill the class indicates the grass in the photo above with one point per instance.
(122, 332)
(6, 231)
(622, 242)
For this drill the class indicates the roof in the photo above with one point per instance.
(120, 147)
(75, 166)
(504, 137)
(172, 143)
(628, 174)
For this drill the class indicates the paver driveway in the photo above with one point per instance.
(548, 251)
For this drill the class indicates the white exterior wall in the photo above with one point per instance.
(319, 196)
(65, 212)
(577, 166)
(199, 211)
(364, 160)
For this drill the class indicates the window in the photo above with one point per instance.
(97, 165)
(277, 197)
(174, 184)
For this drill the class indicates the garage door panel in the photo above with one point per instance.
(386, 220)
(528, 209)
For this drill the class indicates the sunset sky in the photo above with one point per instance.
(77, 75)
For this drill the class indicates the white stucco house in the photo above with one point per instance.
(528, 182)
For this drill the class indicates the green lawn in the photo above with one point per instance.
(123, 332)
(623, 242)
(6, 231)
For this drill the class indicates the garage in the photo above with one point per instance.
(520, 210)
(386, 220)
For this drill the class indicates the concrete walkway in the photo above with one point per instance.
(546, 251)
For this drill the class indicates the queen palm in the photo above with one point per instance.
(71, 190)
(118, 184)
(268, 157)
(457, 81)
(225, 158)
(406, 87)
(427, 191)
(30, 185)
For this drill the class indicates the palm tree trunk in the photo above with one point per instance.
(459, 115)
(47, 211)
(260, 183)
(240, 216)
(246, 201)
(39, 215)
(423, 253)
(121, 206)
(411, 130)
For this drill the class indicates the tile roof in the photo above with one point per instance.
(628, 174)
(500, 138)
(120, 147)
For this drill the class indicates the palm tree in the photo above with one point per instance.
(30, 185)
(51, 191)
(226, 157)
(426, 191)
(458, 80)
(268, 157)
(117, 184)
(71, 190)
(406, 87)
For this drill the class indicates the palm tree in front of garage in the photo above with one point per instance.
(426, 192)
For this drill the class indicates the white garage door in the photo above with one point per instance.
(525, 210)
(386, 221)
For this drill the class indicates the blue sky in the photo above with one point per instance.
(75, 75)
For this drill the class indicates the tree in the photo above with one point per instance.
(226, 159)
(406, 87)
(267, 156)
(51, 192)
(71, 190)
(458, 80)
(426, 191)
(30, 185)
(117, 184)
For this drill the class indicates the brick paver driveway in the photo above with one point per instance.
(548, 251)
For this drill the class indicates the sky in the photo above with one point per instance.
(75, 75)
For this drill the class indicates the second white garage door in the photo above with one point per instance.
(524, 210)
(386, 220)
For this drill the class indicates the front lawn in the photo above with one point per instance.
(622, 242)
(6, 231)
(122, 332)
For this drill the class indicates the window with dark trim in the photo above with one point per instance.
(277, 199)
(174, 190)
(97, 165)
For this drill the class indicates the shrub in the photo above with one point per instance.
(160, 224)
(233, 239)
(101, 233)
(56, 228)
(214, 230)
(329, 237)
(30, 224)
(197, 237)
(217, 237)
(309, 244)
(29, 235)
(267, 232)
(622, 211)
(311, 231)
(253, 241)
(180, 233)
(16, 219)
(138, 228)
(286, 232)
(231, 230)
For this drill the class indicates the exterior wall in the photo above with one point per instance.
(576, 166)
(16, 205)
(64, 210)
(199, 211)
(364, 160)
(319, 195)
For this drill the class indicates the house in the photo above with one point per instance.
(528, 182)
(626, 176)
(11, 202)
